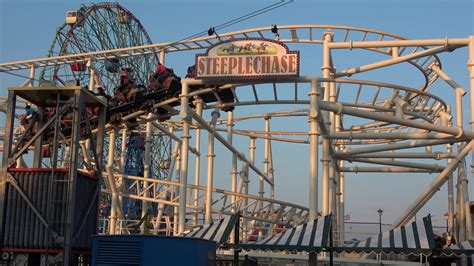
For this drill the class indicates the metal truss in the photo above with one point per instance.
(394, 123)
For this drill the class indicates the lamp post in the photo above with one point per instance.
(380, 211)
(446, 216)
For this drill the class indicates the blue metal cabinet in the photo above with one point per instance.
(144, 250)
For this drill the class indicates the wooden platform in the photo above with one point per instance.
(47, 96)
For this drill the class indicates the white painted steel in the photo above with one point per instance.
(313, 151)
(434, 186)
(210, 169)
(409, 114)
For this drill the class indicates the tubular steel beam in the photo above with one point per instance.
(313, 152)
(146, 172)
(411, 211)
(417, 155)
(389, 62)
(197, 165)
(183, 176)
(175, 138)
(357, 169)
(242, 157)
(394, 146)
(391, 135)
(433, 167)
(323, 127)
(339, 108)
(233, 171)
(210, 170)
(453, 43)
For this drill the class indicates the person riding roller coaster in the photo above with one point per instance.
(130, 96)
(165, 79)
(127, 89)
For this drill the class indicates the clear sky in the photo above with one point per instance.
(27, 29)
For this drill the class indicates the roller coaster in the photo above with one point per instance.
(353, 126)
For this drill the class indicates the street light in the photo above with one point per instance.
(446, 216)
(380, 211)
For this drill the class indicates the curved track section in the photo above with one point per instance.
(362, 126)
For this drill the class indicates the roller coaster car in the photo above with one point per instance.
(144, 100)
(225, 96)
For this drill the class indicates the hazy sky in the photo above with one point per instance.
(27, 29)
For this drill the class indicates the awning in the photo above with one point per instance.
(218, 231)
(414, 238)
(463, 248)
(310, 236)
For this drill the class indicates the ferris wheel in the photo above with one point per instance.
(98, 27)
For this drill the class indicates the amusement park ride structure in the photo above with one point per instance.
(148, 163)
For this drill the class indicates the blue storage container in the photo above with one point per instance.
(144, 250)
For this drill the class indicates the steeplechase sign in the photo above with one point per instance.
(248, 58)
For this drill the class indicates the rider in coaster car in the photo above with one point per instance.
(101, 94)
(127, 89)
(191, 72)
(165, 79)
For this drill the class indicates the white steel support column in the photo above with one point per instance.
(233, 171)
(333, 176)
(123, 149)
(252, 148)
(32, 75)
(341, 205)
(245, 202)
(197, 170)
(464, 216)
(470, 65)
(461, 200)
(326, 69)
(325, 178)
(447, 122)
(161, 206)
(123, 158)
(111, 180)
(313, 151)
(224, 142)
(146, 171)
(183, 177)
(271, 172)
(162, 56)
(340, 184)
(459, 92)
(210, 169)
(175, 191)
(91, 74)
(462, 174)
(266, 161)
(332, 128)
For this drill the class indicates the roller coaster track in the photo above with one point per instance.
(309, 34)
(392, 115)
(360, 94)
(274, 211)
